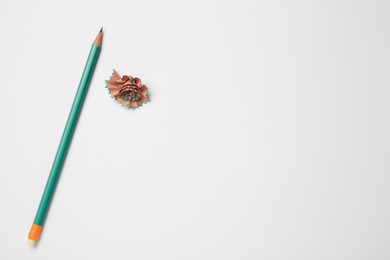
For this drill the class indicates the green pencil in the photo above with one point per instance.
(63, 147)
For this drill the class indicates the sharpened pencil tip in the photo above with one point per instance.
(98, 39)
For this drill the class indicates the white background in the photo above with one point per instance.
(267, 136)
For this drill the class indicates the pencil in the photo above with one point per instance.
(63, 147)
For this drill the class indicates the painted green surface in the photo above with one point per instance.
(67, 135)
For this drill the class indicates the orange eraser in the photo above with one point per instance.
(35, 232)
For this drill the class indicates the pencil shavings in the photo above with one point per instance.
(128, 91)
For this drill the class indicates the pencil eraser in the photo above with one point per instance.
(31, 243)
